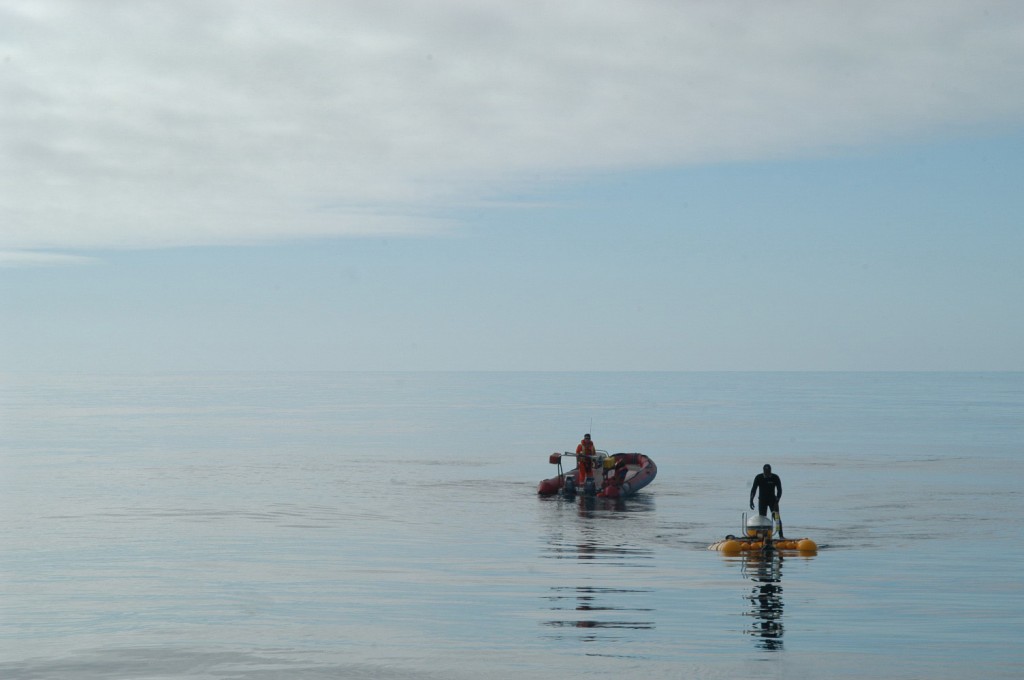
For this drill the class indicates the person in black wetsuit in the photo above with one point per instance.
(768, 488)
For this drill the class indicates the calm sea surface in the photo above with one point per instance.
(385, 526)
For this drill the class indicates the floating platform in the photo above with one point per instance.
(759, 535)
(735, 545)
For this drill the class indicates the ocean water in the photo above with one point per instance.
(385, 526)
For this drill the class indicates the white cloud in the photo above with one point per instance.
(28, 258)
(152, 124)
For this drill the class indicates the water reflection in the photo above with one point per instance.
(596, 540)
(765, 570)
(587, 601)
(612, 508)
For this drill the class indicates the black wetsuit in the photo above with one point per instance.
(769, 492)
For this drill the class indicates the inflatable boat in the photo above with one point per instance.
(615, 475)
(758, 534)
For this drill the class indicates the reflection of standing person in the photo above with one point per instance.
(768, 488)
(585, 453)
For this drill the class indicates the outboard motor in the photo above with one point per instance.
(570, 486)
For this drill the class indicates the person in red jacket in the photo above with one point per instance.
(585, 455)
(614, 479)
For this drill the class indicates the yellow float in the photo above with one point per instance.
(733, 545)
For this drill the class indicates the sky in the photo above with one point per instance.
(610, 185)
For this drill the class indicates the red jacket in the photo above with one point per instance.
(586, 447)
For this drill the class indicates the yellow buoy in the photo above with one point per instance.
(730, 547)
(806, 545)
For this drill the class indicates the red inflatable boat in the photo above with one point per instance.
(615, 475)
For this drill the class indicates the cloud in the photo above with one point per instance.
(151, 124)
(27, 258)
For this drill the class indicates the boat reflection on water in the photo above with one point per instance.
(765, 570)
(589, 603)
(601, 605)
